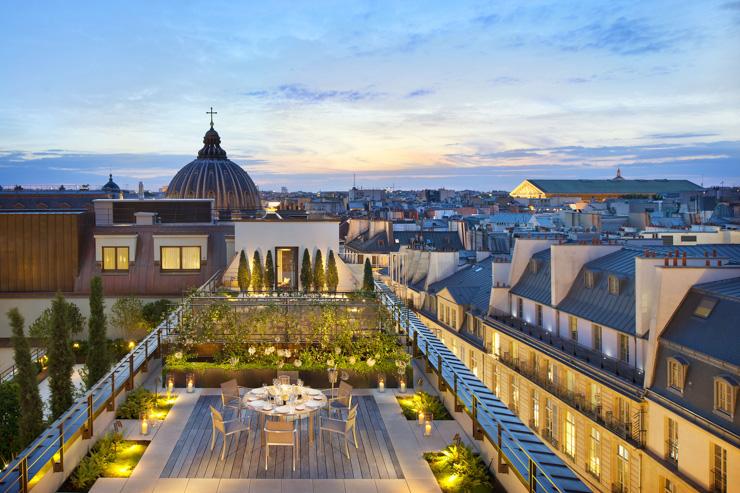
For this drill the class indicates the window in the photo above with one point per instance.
(454, 318)
(538, 315)
(569, 440)
(623, 411)
(570, 381)
(671, 440)
(668, 486)
(573, 327)
(551, 421)
(677, 368)
(719, 469)
(594, 453)
(520, 307)
(535, 409)
(688, 238)
(595, 394)
(497, 381)
(624, 348)
(724, 396)
(473, 363)
(514, 386)
(705, 307)
(588, 279)
(115, 258)
(596, 336)
(533, 265)
(497, 344)
(623, 469)
(552, 373)
(613, 285)
(180, 258)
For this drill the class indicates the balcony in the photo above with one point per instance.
(593, 358)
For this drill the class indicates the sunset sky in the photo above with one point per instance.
(473, 95)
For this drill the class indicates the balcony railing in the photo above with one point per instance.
(594, 358)
(37, 355)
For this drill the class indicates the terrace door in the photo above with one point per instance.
(286, 268)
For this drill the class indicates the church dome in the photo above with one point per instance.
(213, 176)
(111, 186)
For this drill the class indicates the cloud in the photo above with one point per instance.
(684, 135)
(505, 80)
(621, 36)
(419, 92)
(305, 94)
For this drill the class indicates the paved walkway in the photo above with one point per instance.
(406, 436)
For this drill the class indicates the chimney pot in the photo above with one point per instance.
(675, 261)
(665, 261)
(683, 260)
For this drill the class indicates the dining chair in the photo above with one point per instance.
(340, 426)
(231, 396)
(287, 377)
(225, 428)
(342, 401)
(280, 433)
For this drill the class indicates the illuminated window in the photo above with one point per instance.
(514, 383)
(552, 372)
(668, 486)
(454, 318)
(677, 368)
(115, 258)
(180, 258)
(588, 279)
(596, 335)
(624, 348)
(705, 307)
(533, 266)
(535, 409)
(594, 453)
(719, 469)
(613, 285)
(595, 392)
(569, 440)
(573, 327)
(550, 430)
(623, 469)
(497, 381)
(570, 381)
(496, 344)
(672, 440)
(725, 391)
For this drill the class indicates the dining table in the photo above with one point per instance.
(287, 403)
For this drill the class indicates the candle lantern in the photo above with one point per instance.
(144, 423)
(381, 382)
(428, 424)
(333, 377)
(402, 384)
(190, 383)
(170, 384)
(421, 418)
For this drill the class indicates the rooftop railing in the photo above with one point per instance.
(519, 449)
(37, 355)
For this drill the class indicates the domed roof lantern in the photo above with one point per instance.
(111, 185)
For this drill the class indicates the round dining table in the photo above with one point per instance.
(268, 403)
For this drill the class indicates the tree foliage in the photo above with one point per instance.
(10, 410)
(318, 272)
(332, 276)
(306, 277)
(61, 358)
(31, 419)
(98, 360)
(127, 315)
(367, 277)
(269, 272)
(41, 327)
(257, 272)
(156, 311)
(242, 276)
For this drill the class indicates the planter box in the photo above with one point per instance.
(214, 377)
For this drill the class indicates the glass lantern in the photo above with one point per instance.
(381, 382)
(170, 385)
(402, 384)
(190, 383)
(144, 423)
(428, 420)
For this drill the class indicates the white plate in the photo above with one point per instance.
(314, 404)
(300, 407)
(257, 404)
(313, 392)
(318, 398)
(282, 409)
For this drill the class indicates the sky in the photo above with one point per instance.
(410, 95)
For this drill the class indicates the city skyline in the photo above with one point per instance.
(475, 96)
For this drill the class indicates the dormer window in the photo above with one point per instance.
(588, 279)
(705, 307)
(533, 266)
(677, 368)
(725, 396)
(614, 285)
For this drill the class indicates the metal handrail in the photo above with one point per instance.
(8, 374)
(527, 468)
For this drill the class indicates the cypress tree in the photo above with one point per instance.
(98, 361)
(31, 419)
(257, 273)
(242, 275)
(61, 359)
(306, 271)
(318, 272)
(332, 276)
(367, 277)
(269, 272)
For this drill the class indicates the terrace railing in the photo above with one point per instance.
(37, 355)
(519, 449)
(47, 451)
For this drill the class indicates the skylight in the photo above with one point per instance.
(705, 307)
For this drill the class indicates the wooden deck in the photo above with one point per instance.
(374, 459)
